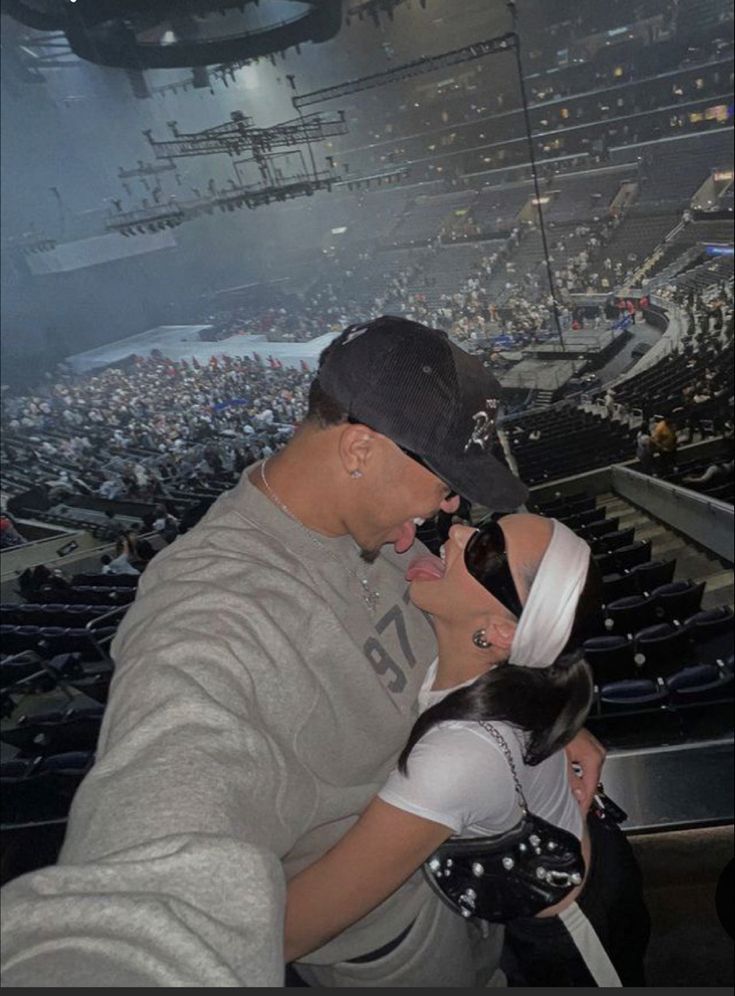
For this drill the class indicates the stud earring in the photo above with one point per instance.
(354, 474)
(478, 638)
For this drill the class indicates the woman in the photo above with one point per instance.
(508, 602)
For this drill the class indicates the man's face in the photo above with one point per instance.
(400, 490)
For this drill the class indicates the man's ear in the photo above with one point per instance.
(500, 631)
(356, 447)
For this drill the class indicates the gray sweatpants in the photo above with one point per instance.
(441, 951)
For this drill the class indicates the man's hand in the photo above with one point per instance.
(585, 757)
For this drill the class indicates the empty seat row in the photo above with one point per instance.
(50, 640)
(672, 602)
(567, 505)
(624, 559)
(578, 519)
(49, 614)
(56, 732)
(696, 685)
(601, 527)
(641, 579)
(611, 541)
(85, 595)
(662, 649)
(105, 580)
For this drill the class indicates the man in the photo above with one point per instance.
(664, 443)
(643, 451)
(266, 681)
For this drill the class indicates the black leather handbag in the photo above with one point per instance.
(514, 874)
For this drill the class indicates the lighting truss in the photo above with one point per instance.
(145, 169)
(157, 217)
(239, 136)
(427, 64)
(509, 42)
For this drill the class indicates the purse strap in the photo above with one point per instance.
(503, 744)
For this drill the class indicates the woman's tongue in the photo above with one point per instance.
(425, 567)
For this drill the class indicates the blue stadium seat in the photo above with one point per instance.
(628, 615)
(615, 586)
(610, 657)
(678, 600)
(712, 632)
(653, 574)
(12, 671)
(628, 557)
(611, 541)
(701, 683)
(662, 649)
(607, 563)
(16, 639)
(629, 696)
(596, 529)
(55, 732)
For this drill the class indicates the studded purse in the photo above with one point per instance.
(514, 874)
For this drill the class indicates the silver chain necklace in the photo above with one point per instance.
(370, 596)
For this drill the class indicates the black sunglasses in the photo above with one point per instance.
(486, 560)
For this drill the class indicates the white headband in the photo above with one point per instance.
(548, 615)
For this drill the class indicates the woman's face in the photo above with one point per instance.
(444, 587)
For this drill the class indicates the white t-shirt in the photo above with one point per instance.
(458, 776)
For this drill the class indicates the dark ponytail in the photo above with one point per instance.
(550, 703)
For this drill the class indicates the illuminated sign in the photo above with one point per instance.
(722, 175)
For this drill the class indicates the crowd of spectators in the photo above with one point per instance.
(628, 100)
(690, 390)
(129, 432)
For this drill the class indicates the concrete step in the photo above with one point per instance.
(692, 562)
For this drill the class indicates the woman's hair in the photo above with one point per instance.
(550, 703)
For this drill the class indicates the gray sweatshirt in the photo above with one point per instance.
(258, 705)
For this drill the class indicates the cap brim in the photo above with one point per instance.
(482, 479)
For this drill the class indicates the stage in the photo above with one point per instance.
(182, 342)
(541, 375)
(589, 343)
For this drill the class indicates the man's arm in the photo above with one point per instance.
(587, 754)
(169, 875)
(192, 911)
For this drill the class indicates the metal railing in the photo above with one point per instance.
(705, 520)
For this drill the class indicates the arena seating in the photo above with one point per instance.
(659, 658)
(423, 221)
(664, 649)
(638, 236)
(675, 169)
(495, 210)
(585, 196)
(597, 443)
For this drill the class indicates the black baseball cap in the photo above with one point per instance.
(412, 384)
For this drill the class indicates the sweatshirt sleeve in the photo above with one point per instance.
(170, 872)
(187, 911)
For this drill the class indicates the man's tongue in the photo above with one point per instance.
(405, 537)
(425, 568)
